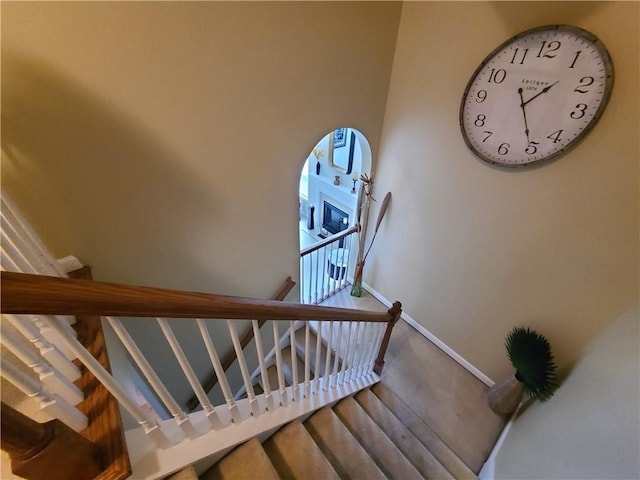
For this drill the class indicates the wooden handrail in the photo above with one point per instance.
(330, 240)
(232, 356)
(34, 294)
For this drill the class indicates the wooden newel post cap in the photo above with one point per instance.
(41, 451)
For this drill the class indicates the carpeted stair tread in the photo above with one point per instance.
(379, 447)
(248, 460)
(422, 432)
(295, 455)
(419, 456)
(340, 447)
(188, 473)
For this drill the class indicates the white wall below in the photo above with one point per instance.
(590, 427)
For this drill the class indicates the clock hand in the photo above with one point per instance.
(524, 114)
(544, 90)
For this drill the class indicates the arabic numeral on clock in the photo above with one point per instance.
(555, 136)
(532, 148)
(515, 56)
(575, 59)
(547, 49)
(584, 83)
(487, 135)
(503, 149)
(479, 122)
(481, 96)
(579, 112)
(497, 76)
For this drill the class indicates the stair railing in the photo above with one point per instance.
(325, 266)
(355, 341)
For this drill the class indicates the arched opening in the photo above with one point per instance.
(328, 196)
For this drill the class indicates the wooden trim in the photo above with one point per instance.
(395, 311)
(34, 294)
(330, 240)
(231, 357)
(105, 425)
(40, 451)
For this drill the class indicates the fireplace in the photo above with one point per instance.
(334, 220)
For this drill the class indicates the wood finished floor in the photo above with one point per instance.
(449, 399)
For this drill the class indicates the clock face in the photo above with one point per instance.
(536, 96)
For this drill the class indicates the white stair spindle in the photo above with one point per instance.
(379, 329)
(244, 370)
(347, 354)
(307, 363)
(310, 301)
(316, 366)
(327, 364)
(336, 361)
(12, 216)
(357, 354)
(210, 412)
(263, 366)
(294, 362)
(53, 381)
(354, 353)
(160, 389)
(149, 425)
(52, 404)
(367, 338)
(48, 350)
(220, 374)
(281, 386)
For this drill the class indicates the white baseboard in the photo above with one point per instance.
(439, 343)
(488, 470)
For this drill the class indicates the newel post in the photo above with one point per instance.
(395, 311)
(40, 451)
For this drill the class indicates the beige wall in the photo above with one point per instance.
(472, 250)
(156, 140)
(162, 143)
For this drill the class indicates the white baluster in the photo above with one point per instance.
(294, 362)
(367, 338)
(160, 389)
(49, 376)
(327, 364)
(316, 366)
(149, 425)
(49, 351)
(307, 363)
(209, 411)
(51, 403)
(12, 217)
(310, 256)
(357, 354)
(347, 354)
(244, 370)
(379, 329)
(263, 367)
(220, 373)
(276, 341)
(336, 362)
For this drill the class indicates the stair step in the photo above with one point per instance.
(422, 432)
(294, 454)
(340, 447)
(379, 447)
(248, 460)
(188, 473)
(419, 456)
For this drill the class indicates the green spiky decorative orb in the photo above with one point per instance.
(530, 354)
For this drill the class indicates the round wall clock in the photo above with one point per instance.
(536, 96)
